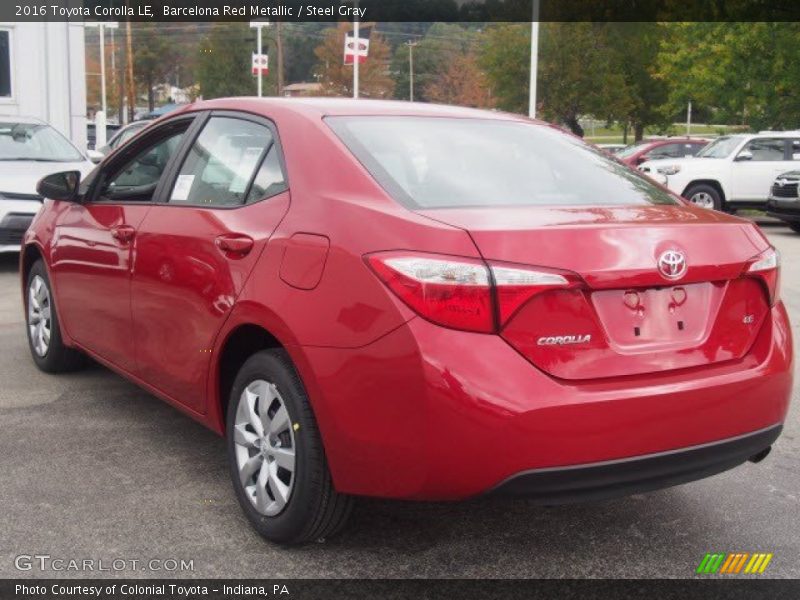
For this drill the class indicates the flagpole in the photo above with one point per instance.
(357, 51)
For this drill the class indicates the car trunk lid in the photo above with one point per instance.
(628, 318)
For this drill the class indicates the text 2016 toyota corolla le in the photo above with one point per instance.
(386, 299)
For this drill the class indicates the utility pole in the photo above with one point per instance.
(689, 119)
(534, 59)
(279, 52)
(411, 45)
(258, 26)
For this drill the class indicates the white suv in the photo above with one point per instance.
(733, 171)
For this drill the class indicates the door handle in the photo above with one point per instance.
(123, 233)
(235, 244)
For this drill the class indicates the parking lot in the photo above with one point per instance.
(91, 467)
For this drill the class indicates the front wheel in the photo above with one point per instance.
(277, 461)
(794, 226)
(704, 196)
(44, 334)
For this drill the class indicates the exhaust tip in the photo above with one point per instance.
(758, 457)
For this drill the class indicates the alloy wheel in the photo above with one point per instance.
(703, 199)
(39, 315)
(265, 448)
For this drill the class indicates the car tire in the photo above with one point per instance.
(284, 506)
(42, 326)
(705, 196)
(794, 226)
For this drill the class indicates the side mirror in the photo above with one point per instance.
(642, 159)
(60, 186)
(744, 155)
(95, 156)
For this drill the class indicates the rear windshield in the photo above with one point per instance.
(434, 162)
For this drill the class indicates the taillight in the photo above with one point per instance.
(462, 293)
(517, 284)
(767, 267)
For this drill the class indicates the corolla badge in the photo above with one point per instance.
(672, 264)
(562, 340)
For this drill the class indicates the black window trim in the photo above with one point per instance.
(172, 172)
(141, 142)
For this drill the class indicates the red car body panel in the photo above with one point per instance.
(645, 148)
(407, 408)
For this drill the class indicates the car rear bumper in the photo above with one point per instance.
(430, 413)
(600, 481)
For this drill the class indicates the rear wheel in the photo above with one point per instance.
(704, 196)
(44, 335)
(277, 461)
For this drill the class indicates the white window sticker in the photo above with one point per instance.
(183, 185)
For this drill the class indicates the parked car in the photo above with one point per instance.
(412, 301)
(733, 171)
(91, 133)
(120, 137)
(638, 153)
(29, 150)
(612, 148)
(784, 202)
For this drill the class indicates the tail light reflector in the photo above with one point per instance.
(463, 293)
(767, 267)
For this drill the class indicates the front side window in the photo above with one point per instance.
(765, 149)
(138, 179)
(692, 149)
(435, 162)
(722, 147)
(34, 141)
(222, 162)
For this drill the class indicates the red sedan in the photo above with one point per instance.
(412, 301)
(636, 154)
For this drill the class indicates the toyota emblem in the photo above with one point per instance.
(672, 264)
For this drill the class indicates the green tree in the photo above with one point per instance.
(154, 57)
(223, 66)
(434, 54)
(505, 56)
(636, 47)
(578, 71)
(742, 72)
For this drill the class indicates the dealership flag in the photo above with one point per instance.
(350, 49)
(260, 62)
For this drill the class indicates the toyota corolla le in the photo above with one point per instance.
(411, 301)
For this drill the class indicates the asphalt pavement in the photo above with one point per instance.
(93, 468)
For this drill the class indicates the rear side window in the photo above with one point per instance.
(766, 149)
(269, 180)
(434, 162)
(222, 162)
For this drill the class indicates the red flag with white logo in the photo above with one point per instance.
(358, 49)
(260, 63)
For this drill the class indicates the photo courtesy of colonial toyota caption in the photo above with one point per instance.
(373, 298)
